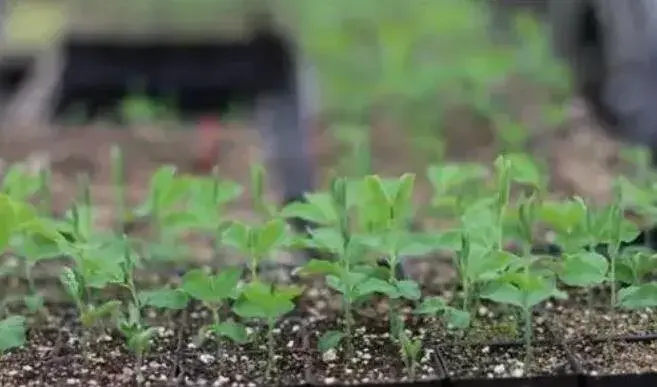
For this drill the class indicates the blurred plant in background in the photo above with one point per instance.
(414, 60)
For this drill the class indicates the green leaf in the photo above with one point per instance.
(140, 341)
(320, 266)
(269, 236)
(34, 302)
(237, 236)
(212, 289)
(180, 221)
(317, 208)
(70, 282)
(164, 298)
(524, 170)
(376, 193)
(638, 296)
(375, 285)
(12, 333)
(409, 289)
(327, 239)
(263, 301)
(584, 269)
(403, 199)
(459, 319)
(445, 177)
(485, 265)
(503, 293)
(330, 340)
(432, 306)
(234, 331)
(563, 217)
(335, 283)
(9, 220)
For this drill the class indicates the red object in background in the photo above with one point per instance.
(208, 136)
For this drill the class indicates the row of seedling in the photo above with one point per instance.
(357, 222)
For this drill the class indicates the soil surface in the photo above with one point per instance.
(375, 358)
(490, 361)
(617, 357)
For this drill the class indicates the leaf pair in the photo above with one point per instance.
(263, 301)
(212, 290)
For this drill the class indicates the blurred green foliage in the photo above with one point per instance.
(414, 60)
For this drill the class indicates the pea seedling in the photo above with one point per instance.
(267, 304)
(575, 231)
(257, 242)
(12, 333)
(215, 291)
(166, 206)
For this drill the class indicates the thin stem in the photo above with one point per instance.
(528, 338)
(139, 360)
(215, 320)
(348, 328)
(270, 350)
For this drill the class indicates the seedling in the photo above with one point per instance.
(636, 266)
(268, 304)
(410, 350)
(165, 298)
(344, 275)
(209, 196)
(166, 206)
(384, 213)
(258, 242)
(258, 185)
(12, 333)
(89, 315)
(455, 186)
(437, 306)
(215, 292)
(117, 165)
(576, 230)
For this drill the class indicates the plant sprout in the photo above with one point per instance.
(216, 291)
(267, 304)
(258, 242)
(12, 333)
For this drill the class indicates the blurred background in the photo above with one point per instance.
(404, 85)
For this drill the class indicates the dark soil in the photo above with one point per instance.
(504, 361)
(376, 358)
(58, 354)
(617, 357)
(579, 322)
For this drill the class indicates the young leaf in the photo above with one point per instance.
(638, 296)
(213, 289)
(401, 205)
(504, 293)
(12, 333)
(269, 236)
(329, 340)
(457, 318)
(431, 306)
(375, 285)
(71, 284)
(34, 302)
(237, 236)
(234, 331)
(164, 298)
(409, 289)
(140, 341)
(584, 269)
(320, 266)
(376, 193)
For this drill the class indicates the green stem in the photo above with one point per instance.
(528, 338)
(348, 328)
(270, 350)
